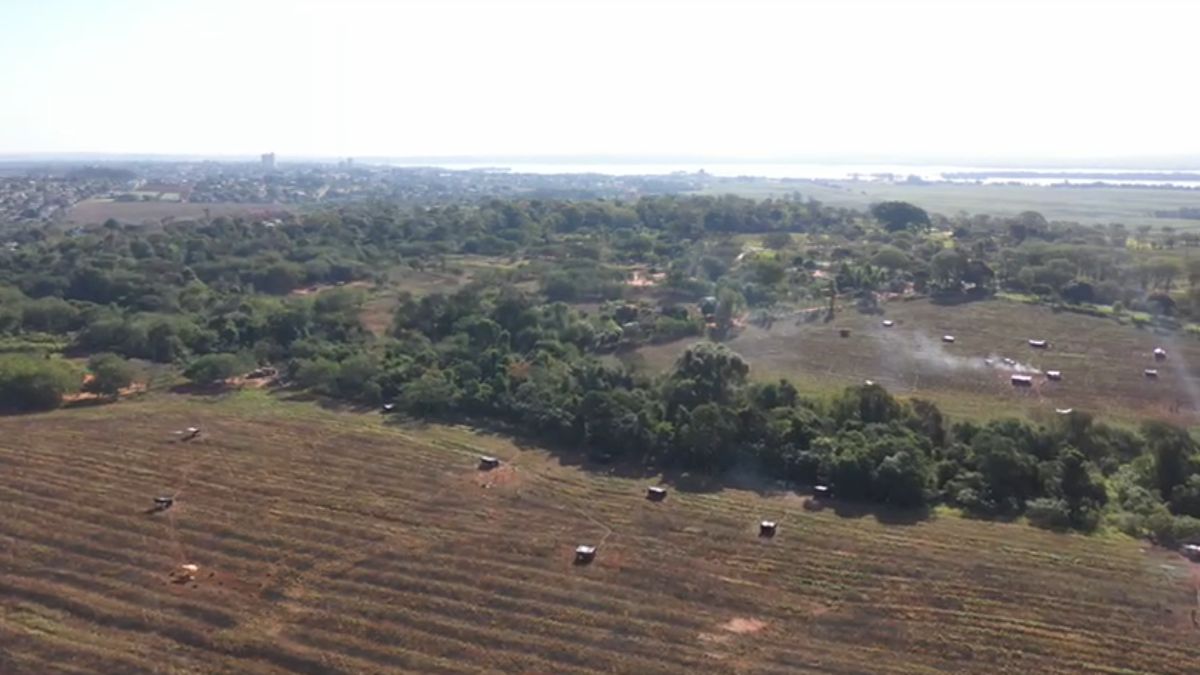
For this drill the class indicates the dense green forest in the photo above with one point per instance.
(517, 347)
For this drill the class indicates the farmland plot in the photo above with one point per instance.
(339, 542)
(1102, 362)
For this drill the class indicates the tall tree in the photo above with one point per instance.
(897, 216)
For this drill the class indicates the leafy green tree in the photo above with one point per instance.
(318, 375)
(1048, 512)
(432, 393)
(28, 383)
(356, 379)
(1185, 497)
(777, 240)
(110, 374)
(279, 278)
(891, 258)
(163, 343)
(850, 468)
(768, 271)
(730, 304)
(948, 268)
(707, 373)
(1172, 449)
(903, 479)
(1081, 488)
(707, 439)
(213, 368)
(896, 216)
(868, 403)
(50, 315)
(1008, 473)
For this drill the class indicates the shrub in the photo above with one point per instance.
(213, 368)
(110, 374)
(28, 383)
(1048, 513)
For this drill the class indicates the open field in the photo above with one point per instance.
(458, 271)
(1101, 360)
(1131, 206)
(95, 211)
(334, 543)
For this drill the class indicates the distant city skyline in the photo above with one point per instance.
(1164, 163)
(985, 81)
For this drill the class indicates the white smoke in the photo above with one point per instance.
(1178, 365)
(1010, 365)
(929, 354)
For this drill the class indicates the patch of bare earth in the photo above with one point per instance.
(742, 625)
(505, 475)
(85, 397)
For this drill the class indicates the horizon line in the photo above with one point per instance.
(1173, 161)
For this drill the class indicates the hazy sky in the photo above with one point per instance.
(965, 78)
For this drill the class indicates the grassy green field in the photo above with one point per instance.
(335, 542)
(1101, 360)
(1092, 205)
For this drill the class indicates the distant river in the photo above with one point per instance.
(866, 172)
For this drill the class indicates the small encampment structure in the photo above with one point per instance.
(655, 493)
(1039, 344)
(1009, 362)
(189, 433)
(487, 462)
(947, 338)
(1150, 372)
(163, 503)
(844, 332)
(584, 554)
(388, 408)
(184, 573)
(767, 528)
(1055, 375)
(888, 323)
(1160, 354)
(1022, 380)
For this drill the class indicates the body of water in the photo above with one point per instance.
(864, 172)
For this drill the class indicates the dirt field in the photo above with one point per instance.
(332, 543)
(1101, 360)
(1131, 206)
(95, 211)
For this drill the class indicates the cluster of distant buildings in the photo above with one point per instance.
(43, 198)
(43, 192)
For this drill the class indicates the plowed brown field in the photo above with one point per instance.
(334, 543)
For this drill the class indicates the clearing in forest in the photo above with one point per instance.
(1101, 361)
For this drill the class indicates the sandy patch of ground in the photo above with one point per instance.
(87, 397)
(742, 625)
(505, 475)
(736, 626)
(317, 288)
